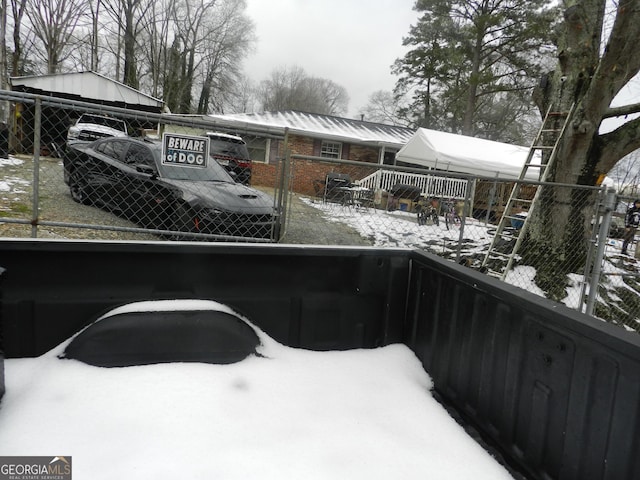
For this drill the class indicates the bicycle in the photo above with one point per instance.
(451, 216)
(426, 211)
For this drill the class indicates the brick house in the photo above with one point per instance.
(318, 136)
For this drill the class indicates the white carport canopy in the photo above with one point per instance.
(469, 155)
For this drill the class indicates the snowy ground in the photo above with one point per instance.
(400, 229)
(619, 294)
(288, 414)
(11, 185)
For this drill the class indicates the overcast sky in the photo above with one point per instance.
(351, 42)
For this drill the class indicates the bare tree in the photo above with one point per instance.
(243, 99)
(94, 9)
(229, 36)
(155, 45)
(130, 18)
(329, 96)
(133, 12)
(88, 48)
(111, 28)
(626, 174)
(54, 23)
(189, 20)
(283, 89)
(17, 8)
(293, 89)
(193, 50)
(384, 107)
(188, 52)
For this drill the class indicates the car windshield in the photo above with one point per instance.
(104, 121)
(228, 148)
(211, 172)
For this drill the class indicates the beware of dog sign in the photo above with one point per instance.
(185, 150)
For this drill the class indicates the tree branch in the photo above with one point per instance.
(620, 61)
(618, 143)
(622, 111)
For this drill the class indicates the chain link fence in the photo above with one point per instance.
(618, 299)
(456, 216)
(146, 176)
(55, 183)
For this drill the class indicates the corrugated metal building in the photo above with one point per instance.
(87, 87)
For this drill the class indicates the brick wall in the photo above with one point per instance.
(301, 145)
(263, 174)
(305, 172)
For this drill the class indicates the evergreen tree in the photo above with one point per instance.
(473, 63)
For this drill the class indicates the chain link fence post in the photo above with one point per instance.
(607, 213)
(593, 245)
(282, 196)
(466, 213)
(37, 125)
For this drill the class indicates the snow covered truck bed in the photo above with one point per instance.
(550, 393)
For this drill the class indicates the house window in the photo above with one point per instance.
(330, 149)
(258, 149)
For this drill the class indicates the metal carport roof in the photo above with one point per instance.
(88, 86)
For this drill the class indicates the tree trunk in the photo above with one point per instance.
(130, 76)
(472, 93)
(561, 224)
(205, 95)
(94, 38)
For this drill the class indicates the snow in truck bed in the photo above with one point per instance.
(284, 414)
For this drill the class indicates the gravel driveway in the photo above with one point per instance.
(56, 205)
(306, 224)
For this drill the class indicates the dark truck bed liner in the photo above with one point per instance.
(555, 392)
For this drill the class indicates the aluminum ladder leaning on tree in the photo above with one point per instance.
(546, 131)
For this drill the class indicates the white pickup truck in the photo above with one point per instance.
(90, 127)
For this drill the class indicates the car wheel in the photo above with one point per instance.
(78, 188)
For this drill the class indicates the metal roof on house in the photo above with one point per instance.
(326, 127)
(87, 85)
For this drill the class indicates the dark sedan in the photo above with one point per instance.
(127, 176)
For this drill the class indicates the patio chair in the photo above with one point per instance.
(366, 198)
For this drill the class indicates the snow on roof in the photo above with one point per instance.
(326, 126)
(463, 154)
(88, 85)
